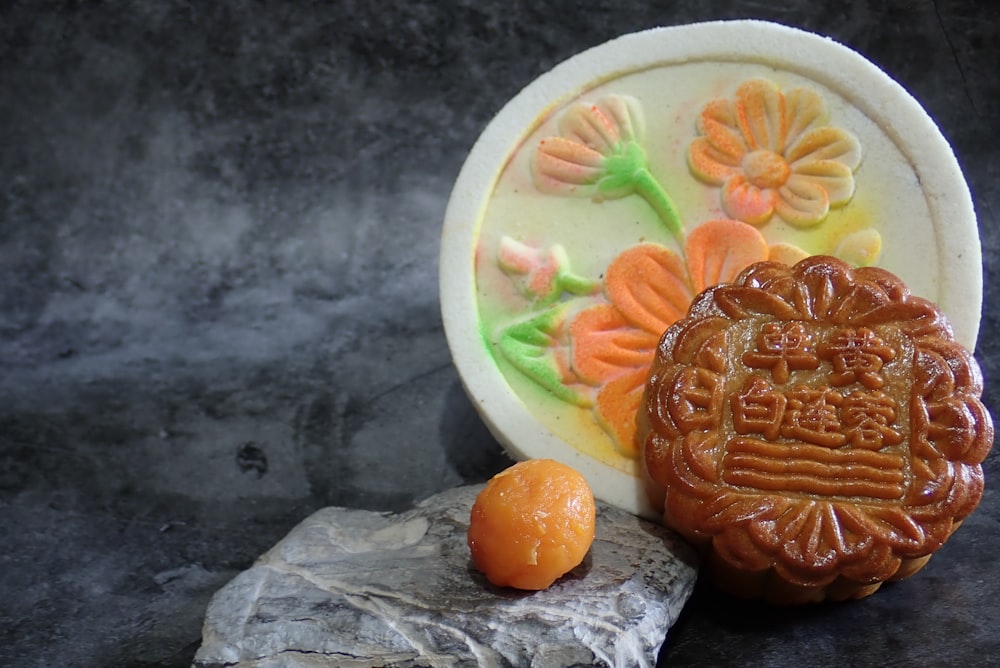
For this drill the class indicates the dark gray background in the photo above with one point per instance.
(218, 245)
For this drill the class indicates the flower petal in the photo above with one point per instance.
(515, 257)
(590, 126)
(835, 178)
(728, 510)
(618, 403)
(561, 165)
(806, 548)
(605, 345)
(896, 526)
(860, 249)
(718, 250)
(570, 151)
(826, 143)
(820, 282)
(718, 124)
(710, 164)
(740, 302)
(803, 109)
(760, 112)
(786, 253)
(648, 284)
(802, 201)
(744, 201)
(625, 113)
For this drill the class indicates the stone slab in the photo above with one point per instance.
(359, 588)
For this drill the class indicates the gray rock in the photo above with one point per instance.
(359, 588)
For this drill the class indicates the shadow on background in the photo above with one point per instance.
(470, 448)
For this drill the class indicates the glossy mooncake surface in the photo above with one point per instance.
(816, 429)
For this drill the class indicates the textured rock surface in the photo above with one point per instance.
(354, 587)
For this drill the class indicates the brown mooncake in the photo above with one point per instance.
(815, 429)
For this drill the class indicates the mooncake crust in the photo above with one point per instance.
(815, 429)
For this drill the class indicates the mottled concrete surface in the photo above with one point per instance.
(218, 244)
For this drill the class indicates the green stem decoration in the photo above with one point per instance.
(651, 191)
(578, 285)
(530, 346)
(627, 171)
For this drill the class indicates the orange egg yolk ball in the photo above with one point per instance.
(532, 523)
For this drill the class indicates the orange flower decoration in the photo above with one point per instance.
(772, 154)
(649, 287)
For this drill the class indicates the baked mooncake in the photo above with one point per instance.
(815, 429)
